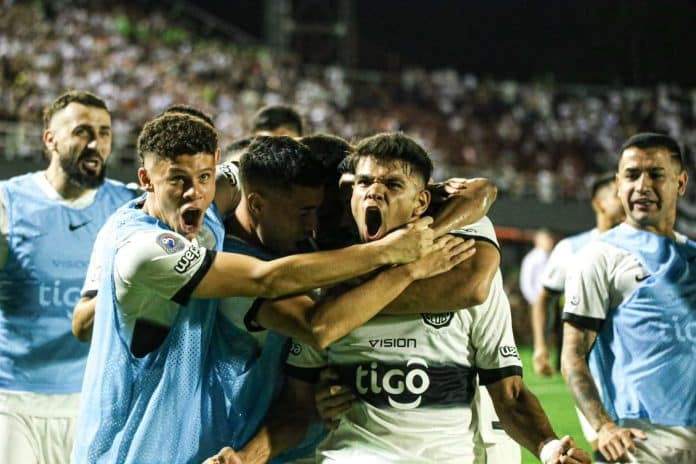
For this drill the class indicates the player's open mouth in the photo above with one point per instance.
(644, 204)
(190, 219)
(373, 223)
(91, 164)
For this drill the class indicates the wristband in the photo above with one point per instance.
(549, 449)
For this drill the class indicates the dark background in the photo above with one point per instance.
(628, 42)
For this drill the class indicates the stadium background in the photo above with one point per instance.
(536, 95)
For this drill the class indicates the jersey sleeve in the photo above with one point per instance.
(587, 293)
(481, 230)
(164, 263)
(554, 275)
(93, 276)
(304, 362)
(496, 355)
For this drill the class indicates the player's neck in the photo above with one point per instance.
(603, 223)
(241, 225)
(665, 227)
(61, 183)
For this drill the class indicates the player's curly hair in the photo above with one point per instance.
(395, 146)
(71, 96)
(175, 134)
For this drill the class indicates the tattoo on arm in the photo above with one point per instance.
(576, 344)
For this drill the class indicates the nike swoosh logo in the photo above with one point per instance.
(74, 227)
(642, 278)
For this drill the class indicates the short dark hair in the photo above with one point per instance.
(273, 117)
(601, 181)
(280, 163)
(237, 147)
(191, 111)
(395, 146)
(72, 96)
(175, 134)
(331, 151)
(654, 140)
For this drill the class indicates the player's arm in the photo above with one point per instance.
(83, 318)
(525, 421)
(612, 440)
(465, 286)
(545, 302)
(238, 275)
(588, 287)
(345, 308)
(227, 191)
(465, 202)
(284, 426)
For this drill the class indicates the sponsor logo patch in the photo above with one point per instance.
(170, 243)
(393, 343)
(575, 300)
(437, 320)
(509, 351)
(188, 259)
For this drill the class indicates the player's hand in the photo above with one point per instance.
(332, 398)
(567, 453)
(454, 251)
(541, 363)
(225, 456)
(441, 191)
(409, 243)
(615, 441)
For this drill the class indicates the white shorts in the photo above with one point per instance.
(37, 428)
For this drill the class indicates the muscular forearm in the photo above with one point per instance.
(334, 318)
(466, 207)
(464, 286)
(83, 318)
(525, 421)
(577, 375)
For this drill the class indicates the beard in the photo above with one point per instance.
(78, 176)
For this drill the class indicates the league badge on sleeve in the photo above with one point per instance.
(170, 243)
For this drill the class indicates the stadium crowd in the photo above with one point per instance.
(534, 138)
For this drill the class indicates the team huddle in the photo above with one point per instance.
(309, 300)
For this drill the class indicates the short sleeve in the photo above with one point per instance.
(496, 355)
(554, 275)
(481, 230)
(587, 293)
(304, 362)
(93, 276)
(163, 262)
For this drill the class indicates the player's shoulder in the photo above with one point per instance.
(481, 229)
(130, 188)
(145, 247)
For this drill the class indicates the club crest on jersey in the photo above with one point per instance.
(170, 243)
(437, 320)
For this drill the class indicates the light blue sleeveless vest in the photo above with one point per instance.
(49, 250)
(645, 353)
(253, 388)
(166, 406)
(580, 240)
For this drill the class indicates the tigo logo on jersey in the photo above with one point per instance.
(411, 381)
(437, 320)
(170, 243)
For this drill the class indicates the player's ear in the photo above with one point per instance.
(256, 203)
(144, 178)
(422, 203)
(682, 179)
(48, 139)
(218, 153)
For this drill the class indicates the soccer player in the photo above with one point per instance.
(413, 374)
(155, 387)
(277, 120)
(48, 223)
(630, 304)
(608, 213)
(283, 184)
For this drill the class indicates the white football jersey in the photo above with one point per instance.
(414, 375)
